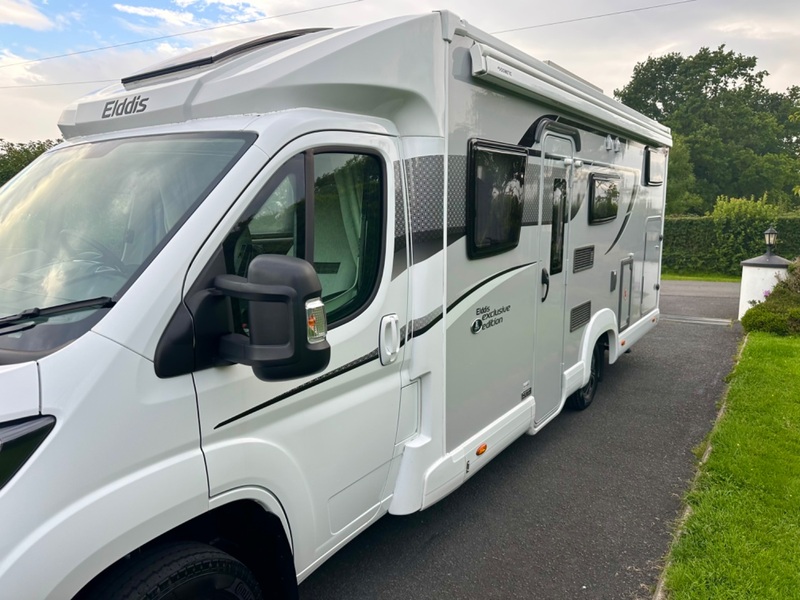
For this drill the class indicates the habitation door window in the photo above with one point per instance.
(559, 218)
(333, 199)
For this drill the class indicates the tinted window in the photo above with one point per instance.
(603, 198)
(559, 217)
(655, 166)
(83, 220)
(496, 197)
(345, 207)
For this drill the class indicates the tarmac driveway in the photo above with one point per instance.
(585, 509)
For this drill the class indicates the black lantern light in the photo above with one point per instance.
(770, 237)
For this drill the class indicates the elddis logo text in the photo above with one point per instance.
(124, 106)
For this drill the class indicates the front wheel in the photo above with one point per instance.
(179, 571)
(581, 399)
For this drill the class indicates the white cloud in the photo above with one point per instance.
(23, 14)
(170, 17)
(604, 51)
(32, 113)
(67, 19)
(756, 31)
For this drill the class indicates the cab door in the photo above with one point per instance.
(556, 192)
(322, 445)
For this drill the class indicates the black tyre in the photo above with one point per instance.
(179, 571)
(581, 399)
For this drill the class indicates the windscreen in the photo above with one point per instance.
(81, 222)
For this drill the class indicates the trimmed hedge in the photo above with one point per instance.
(717, 245)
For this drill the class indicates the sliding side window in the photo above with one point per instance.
(326, 207)
(604, 195)
(495, 198)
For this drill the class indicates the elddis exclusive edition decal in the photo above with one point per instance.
(488, 317)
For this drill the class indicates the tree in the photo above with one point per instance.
(681, 197)
(16, 156)
(740, 139)
(795, 118)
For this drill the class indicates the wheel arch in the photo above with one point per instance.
(242, 525)
(603, 326)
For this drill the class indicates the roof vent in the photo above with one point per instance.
(207, 56)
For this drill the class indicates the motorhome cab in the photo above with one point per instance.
(266, 293)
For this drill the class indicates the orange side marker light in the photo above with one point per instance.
(481, 449)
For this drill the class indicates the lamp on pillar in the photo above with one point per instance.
(770, 237)
(760, 274)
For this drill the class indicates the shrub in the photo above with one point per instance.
(779, 313)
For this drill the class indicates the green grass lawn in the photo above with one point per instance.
(742, 539)
(674, 276)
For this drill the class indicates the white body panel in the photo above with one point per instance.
(394, 422)
(20, 391)
(122, 466)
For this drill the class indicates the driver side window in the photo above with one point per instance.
(326, 207)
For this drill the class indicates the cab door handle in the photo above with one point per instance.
(389, 339)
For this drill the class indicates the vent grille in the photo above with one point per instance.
(584, 259)
(579, 316)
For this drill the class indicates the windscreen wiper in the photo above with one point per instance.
(31, 314)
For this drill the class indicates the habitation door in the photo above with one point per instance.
(322, 445)
(652, 262)
(555, 195)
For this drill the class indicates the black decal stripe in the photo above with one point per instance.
(624, 221)
(374, 355)
(301, 388)
(417, 332)
(484, 282)
(423, 324)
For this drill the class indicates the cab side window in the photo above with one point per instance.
(326, 207)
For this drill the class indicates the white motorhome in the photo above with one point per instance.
(266, 293)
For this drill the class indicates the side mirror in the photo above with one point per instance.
(287, 324)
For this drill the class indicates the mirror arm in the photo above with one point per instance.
(237, 348)
(239, 287)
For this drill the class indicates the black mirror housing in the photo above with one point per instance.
(279, 290)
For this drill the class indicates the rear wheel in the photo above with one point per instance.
(584, 396)
(179, 571)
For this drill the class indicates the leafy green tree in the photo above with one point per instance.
(739, 224)
(795, 118)
(741, 139)
(681, 197)
(16, 156)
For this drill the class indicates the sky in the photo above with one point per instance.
(37, 81)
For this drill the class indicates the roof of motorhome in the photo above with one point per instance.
(213, 54)
(391, 69)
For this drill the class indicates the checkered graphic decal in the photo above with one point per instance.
(425, 176)
(399, 210)
(456, 195)
(530, 211)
